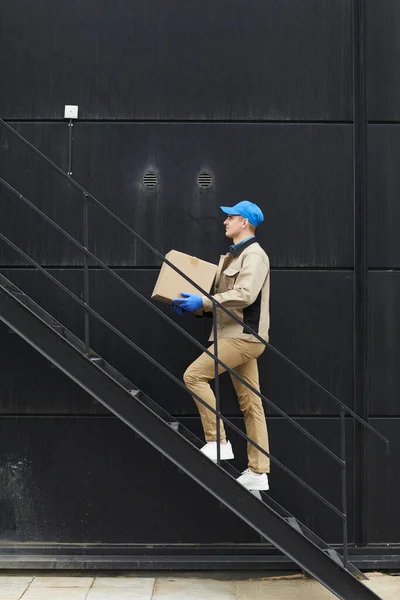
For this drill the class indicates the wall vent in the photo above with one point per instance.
(150, 180)
(205, 180)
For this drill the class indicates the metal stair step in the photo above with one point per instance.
(334, 556)
(97, 360)
(173, 424)
(17, 293)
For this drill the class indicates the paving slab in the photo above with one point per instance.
(284, 589)
(138, 583)
(122, 588)
(12, 593)
(55, 593)
(7, 580)
(61, 582)
(299, 588)
(183, 588)
(12, 588)
(119, 593)
(387, 587)
(293, 587)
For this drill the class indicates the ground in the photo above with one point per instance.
(162, 586)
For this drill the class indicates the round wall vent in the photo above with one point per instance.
(150, 180)
(204, 180)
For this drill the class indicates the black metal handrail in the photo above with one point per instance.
(204, 292)
(166, 372)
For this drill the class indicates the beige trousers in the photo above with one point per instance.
(241, 356)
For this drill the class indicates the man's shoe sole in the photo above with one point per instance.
(230, 457)
(256, 487)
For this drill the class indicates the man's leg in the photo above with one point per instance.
(201, 372)
(253, 412)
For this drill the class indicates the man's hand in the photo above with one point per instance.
(189, 301)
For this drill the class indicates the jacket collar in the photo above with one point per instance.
(237, 251)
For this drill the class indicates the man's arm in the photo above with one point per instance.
(247, 285)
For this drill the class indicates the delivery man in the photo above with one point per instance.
(242, 285)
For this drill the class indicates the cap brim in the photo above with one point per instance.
(229, 210)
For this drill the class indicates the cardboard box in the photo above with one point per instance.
(170, 284)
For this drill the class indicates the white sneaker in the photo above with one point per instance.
(253, 481)
(210, 450)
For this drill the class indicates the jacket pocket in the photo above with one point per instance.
(229, 277)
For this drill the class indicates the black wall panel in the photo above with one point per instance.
(260, 96)
(384, 323)
(382, 495)
(29, 384)
(309, 462)
(45, 188)
(383, 195)
(311, 324)
(383, 60)
(90, 480)
(301, 175)
(150, 59)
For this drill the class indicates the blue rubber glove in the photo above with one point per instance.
(178, 309)
(189, 301)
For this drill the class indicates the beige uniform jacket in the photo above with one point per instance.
(242, 284)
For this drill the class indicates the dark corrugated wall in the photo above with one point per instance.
(259, 95)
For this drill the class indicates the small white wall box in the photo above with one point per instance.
(70, 112)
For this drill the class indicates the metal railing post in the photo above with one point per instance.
(344, 485)
(70, 126)
(86, 271)
(216, 385)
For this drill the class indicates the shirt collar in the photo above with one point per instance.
(236, 249)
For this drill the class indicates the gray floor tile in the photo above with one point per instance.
(7, 580)
(196, 589)
(386, 587)
(118, 593)
(296, 589)
(12, 587)
(13, 593)
(61, 582)
(144, 585)
(55, 593)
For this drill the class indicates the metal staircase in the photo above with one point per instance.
(76, 359)
(64, 351)
(12, 289)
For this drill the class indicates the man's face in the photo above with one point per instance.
(234, 225)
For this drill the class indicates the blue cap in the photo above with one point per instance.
(246, 209)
